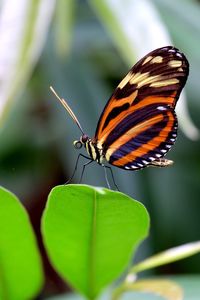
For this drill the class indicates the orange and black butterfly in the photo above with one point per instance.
(138, 125)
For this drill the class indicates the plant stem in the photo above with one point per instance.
(119, 291)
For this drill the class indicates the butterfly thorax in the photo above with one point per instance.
(90, 145)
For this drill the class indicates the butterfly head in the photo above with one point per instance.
(82, 141)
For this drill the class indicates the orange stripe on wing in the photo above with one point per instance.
(146, 101)
(114, 104)
(156, 99)
(131, 133)
(149, 146)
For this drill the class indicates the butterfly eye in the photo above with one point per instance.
(84, 138)
(77, 144)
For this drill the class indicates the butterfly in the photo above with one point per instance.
(138, 125)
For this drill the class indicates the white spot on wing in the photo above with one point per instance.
(178, 54)
(158, 155)
(172, 50)
(127, 168)
(161, 108)
(139, 165)
(151, 158)
(163, 150)
(133, 167)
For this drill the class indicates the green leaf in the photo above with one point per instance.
(21, 275)
(91, 233)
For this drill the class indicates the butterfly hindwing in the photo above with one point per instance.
(138, 124)
(149, 140)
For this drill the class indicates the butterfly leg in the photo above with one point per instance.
(86, 164)
(112, 175)
(106, 177)
(76, 165)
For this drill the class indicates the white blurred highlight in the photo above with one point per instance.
(17, 56)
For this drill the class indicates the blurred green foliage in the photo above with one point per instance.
(36, 150)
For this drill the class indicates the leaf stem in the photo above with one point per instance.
(117, 293)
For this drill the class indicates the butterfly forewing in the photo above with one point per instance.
(138, 124)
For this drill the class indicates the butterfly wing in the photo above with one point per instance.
(138, 124)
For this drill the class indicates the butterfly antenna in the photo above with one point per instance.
(68, 109)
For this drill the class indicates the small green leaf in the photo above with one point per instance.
(91, 233)
(21, 275)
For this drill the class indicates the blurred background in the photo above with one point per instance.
(83, 49)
